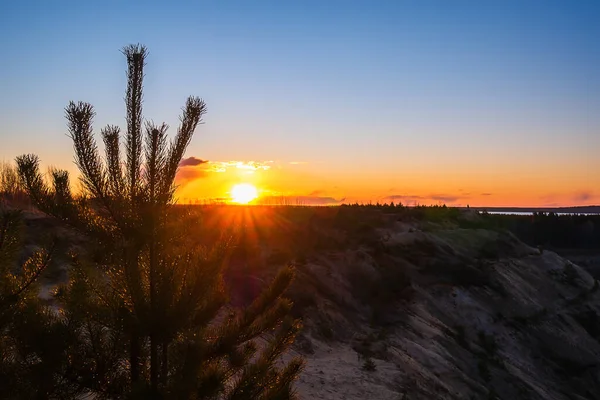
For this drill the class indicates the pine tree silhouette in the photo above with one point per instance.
(33, 342)
(150, 313)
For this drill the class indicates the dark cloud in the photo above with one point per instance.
(191, 168)
(191, 162)
(583, 196)
(486, 194)
(445, 198)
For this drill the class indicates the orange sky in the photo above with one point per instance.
(313, 183)
(480, 103)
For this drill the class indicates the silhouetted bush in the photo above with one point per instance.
(369, 365)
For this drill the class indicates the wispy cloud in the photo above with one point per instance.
(583, 196)
(446, 198)
(549, 199)
(486, 194)
(222, 166)
(301, 200)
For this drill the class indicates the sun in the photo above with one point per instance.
(243, 193)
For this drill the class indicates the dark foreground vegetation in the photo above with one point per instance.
(365, 280)
(144, 313)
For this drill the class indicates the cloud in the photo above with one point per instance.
(300, 200)
(188, 174)
(549, 199)
(486, 194)
(191, 162)
(193, 168)
(190, 169)
(583, 196)
(395, 197)
(222, 166)
(445, 198)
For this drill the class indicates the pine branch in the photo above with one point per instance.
(194, 109)
(110, 136)
(28, 167)
(268, 319)
(156, 157)
(10, 240)
(282, 389)
(136, 56)
(79, 116)
(62, 189)
(78, 216)
(268, 297)
(33, 267)
(260, 376)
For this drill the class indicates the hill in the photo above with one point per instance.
(423, 304)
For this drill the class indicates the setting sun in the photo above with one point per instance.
(243, 193)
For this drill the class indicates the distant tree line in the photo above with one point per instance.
(566, 231)
(554, 230)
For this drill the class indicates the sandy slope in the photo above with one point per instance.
(446, 313)
(486, 317)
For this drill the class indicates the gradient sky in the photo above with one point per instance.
(460, 102)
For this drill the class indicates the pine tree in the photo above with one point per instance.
(151, 314)
(33, 341)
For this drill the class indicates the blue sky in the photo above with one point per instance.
(358, 90)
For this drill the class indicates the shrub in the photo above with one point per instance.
(369, 365)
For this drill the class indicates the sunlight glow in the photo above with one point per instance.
(243, 193)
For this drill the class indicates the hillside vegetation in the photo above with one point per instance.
(422, 303)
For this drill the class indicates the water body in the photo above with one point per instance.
(531, 213)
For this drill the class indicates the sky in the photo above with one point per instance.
(428, 102)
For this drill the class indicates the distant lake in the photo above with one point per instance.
(531, 213)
